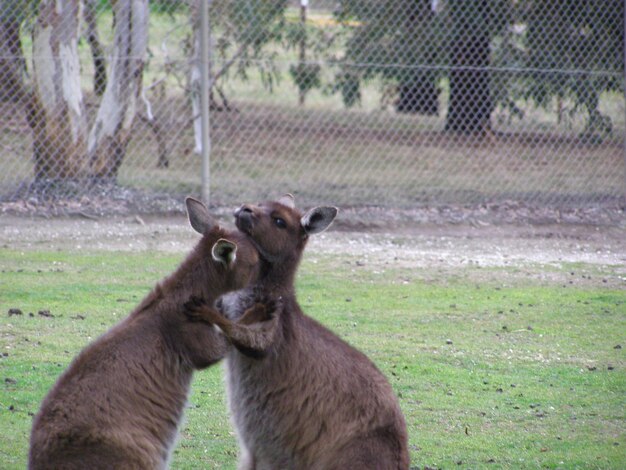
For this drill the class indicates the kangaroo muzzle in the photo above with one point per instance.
(244, 219)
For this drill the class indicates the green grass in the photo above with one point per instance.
(525, 375)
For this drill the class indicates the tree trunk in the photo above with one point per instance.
(97, 54)
(12, 64)
(470, 105)
(57, 114)
(417, 88)
(195, 84)
(419, 95)
(111, 131)
(195, 77)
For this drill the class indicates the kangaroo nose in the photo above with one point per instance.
(243, 209)
(244, 218)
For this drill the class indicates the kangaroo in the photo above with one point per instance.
(119, 403)
(300, 397)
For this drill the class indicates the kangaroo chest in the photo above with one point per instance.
(285, 412)
(255, 398)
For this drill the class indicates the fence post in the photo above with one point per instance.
(204, 101)
(303, 5)
(624, 39)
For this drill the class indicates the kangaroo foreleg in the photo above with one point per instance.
(253, 334)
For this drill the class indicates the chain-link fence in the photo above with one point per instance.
(377, 102)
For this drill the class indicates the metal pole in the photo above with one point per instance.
(624, 38)
(204, 100)
(303, 5)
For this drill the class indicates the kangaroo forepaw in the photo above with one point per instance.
(273, 306)
(194, 308)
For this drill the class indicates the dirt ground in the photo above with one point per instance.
(539, 252)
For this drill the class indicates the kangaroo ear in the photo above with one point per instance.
(318, 219)
(224, 251)
(288, 201)
(199, 216)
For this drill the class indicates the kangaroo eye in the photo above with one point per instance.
(280, 223)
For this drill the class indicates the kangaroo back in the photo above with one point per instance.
(119, 403)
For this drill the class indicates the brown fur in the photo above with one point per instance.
(311, 401)
(119, 404)
(252, 333)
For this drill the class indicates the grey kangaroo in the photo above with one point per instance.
(300, 397)
(119, 403)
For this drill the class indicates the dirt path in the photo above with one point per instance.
(427, 248)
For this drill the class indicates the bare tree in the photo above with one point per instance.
(57, 112)
(111, 132)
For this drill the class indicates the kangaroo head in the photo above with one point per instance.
(278, 230)
(233, 260)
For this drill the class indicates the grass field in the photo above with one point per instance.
(495, 366)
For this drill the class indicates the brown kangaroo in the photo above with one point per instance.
(119, 404)
(300, 397)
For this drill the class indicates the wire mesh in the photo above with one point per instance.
(390, 103)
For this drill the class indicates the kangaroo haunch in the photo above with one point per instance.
(119, 403)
